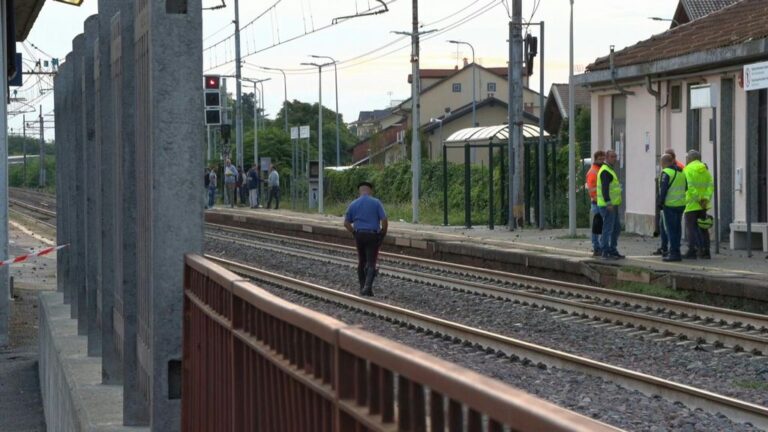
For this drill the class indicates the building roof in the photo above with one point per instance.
(738, 23)
(442, 74)
(25, 14)
(489, 133)
(556, 107)
(691, 10)
(373, 116)
(467, 110)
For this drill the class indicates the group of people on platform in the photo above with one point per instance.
(683, 191)
(242, 185)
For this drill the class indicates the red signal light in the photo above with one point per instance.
(212, 82)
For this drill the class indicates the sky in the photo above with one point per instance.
(374, 63)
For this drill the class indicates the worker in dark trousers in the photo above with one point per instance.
(366, 220)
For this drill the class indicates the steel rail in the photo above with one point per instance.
(650, 385)
(33, 208)
(647, 323)
(730, 316)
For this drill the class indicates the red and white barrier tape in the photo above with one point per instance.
(41, 252)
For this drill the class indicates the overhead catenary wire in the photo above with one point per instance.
(353, 61)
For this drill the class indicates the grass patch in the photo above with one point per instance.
(752, 385)
(654, 290)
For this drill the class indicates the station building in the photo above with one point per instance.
(641, 105)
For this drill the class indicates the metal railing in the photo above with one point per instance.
(254, 362)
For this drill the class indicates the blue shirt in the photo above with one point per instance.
(365, 214)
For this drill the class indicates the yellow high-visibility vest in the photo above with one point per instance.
(676, 192)
(700, 186)
(614, 189)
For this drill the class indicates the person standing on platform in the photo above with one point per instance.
(660, 228)
(366, 220)
(672, 204)
(274, 187)
(597, 161)
(212, 179)
(230, 179)
(207, 182)
(608, 202)
(698, 199)
(243, 185)
(253, 186)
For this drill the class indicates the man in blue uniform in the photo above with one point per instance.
(366, 220)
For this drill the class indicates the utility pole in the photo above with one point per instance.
(571, 145)
(415, 108)
(336, 80)
(285, 95)
(41, 179)
(24, 147)
(541, 126)
(515, 107)
(319, 133)
(238, 89)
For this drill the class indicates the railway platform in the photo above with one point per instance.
(547, 253)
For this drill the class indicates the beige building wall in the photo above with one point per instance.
(641, 163)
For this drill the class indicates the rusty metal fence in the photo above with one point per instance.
(254, 362)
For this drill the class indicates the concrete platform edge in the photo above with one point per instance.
(73, 397)
(535, 263)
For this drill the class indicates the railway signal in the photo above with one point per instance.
(212, 94)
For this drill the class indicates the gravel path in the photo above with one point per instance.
(740, 376)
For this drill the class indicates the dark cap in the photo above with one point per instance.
(364, 183)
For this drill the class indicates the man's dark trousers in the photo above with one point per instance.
(274, 192)
(698, 239)
(367, 243)
(673, 226)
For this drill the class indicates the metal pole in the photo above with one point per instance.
(285, 100)
(256, 132)
(467, 196)
(320, 140)
(208, 136)
(714, 172)
(41, 179)
(24, 147)
(239, 89)
(516, 104)
(490, 185)
(571, 144)
(474, 84)
(445, 185)
(542, 150)
(510, 146)
(416, 121)
(336, 79)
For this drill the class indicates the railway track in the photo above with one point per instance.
(38, 205)
(641, 315)
(496, 343)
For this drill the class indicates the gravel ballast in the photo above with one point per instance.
(736, 376)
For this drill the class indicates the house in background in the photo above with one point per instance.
(556, 107)
(371, 122)
(641, 105)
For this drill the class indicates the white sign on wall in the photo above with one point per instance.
(756, 76)
(304, 132)
(704, 96)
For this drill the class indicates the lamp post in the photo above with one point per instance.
(256, 117)
(319, 132)
(672, 20)
(474, 81)
(285, 94)
(571, 144)
(336, 80)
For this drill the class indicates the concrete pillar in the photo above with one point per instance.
(5, 293)
(169, 156)
(111, 366)
(79, 303)
(92, 160)
(60, 96)
(68, 122)
(123, 70)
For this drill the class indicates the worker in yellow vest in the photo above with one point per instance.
(608, 202)
(672, 204)
(698, 199)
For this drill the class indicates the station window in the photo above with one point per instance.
(492, 87)
(457, 87)
(676, 98)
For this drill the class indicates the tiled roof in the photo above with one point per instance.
(736, 24)
(445, 73)
(372, 116)
(696, 9)
(560, 93)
